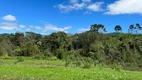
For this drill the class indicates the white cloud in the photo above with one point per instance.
(28, 29)
(9, 18)
(64, 8)
(22, 26)
(84, 5)
(96, 7)
(12, 26)
(76, 1)
(15, 26)
(115, 8)
(125, 7)
(8, 26)
(83, 29)
(67, 27)
(86, 0)
(87, 12)
(50, 27)
(78, 6)
(73, 1)
(67, 8)
(36, 27)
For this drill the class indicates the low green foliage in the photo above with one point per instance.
(67, 63)
(55, 70)
(87, 65)
(5, 56)
(78, 50)
(20, 59)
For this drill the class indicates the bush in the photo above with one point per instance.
(87, 62)
(96, 62)
(116, 67)
(5, 56)
(87, 65)
(20, 59)
(27, 49)
(53, 58)
(60, 53)
(47, 53)
(39, 56)
(74, 57)
(17, 51)
(78, 64)
(67, 63)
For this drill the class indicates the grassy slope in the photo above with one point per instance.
(54, 70)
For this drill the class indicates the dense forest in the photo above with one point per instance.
(92, 47)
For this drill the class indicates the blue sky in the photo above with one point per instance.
(71, 16)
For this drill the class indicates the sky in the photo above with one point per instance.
(70, 16)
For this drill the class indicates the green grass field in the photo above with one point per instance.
(32, 69)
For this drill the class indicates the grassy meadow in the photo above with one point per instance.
(33, 69)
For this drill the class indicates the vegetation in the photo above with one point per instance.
(91, 47)
(34, 69)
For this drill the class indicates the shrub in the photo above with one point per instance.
(60, 53)
(39, 56)
(87, 65)
(27, 49)
(5, 56)
(20, 59)
(47, 53)
(17, 51)
(78, 64)
(53, 58)
(96, 62)
(87, 62)
(74, 58)
(116, 67)
(67, 63)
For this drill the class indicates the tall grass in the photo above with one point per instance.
(55, 70)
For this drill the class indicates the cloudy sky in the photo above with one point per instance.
(71, 16)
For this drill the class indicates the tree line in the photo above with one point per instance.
(134, 29)
(91, 46)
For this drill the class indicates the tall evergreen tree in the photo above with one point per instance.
(118, 28)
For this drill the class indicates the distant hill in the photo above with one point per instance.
(111, 34)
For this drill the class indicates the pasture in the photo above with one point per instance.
(33, 69)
